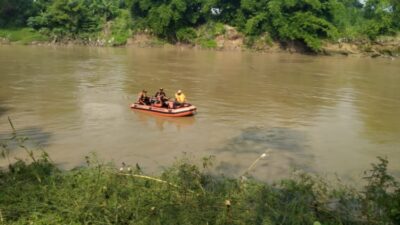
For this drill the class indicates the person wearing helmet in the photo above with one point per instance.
(161, 97)
(143, 98)
(160, 93)
(180, 98)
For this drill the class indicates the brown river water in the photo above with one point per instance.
(330, 115)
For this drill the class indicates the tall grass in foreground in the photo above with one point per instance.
(39, 193)
(98, 193)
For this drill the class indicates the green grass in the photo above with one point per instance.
(207, 34)
(22, 35)
(39, 193)
(157, 42)
(208, 44)
(121, 28)
(185, 194)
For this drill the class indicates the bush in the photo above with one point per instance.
(39, 193)
(382, 195)
(75, 18)
(256, 25)
(208, 44)
(186, 35)
(258, 42)
(373, 29)
(121, 28)
(22, 35)
(218, 29)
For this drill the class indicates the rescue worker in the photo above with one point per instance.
(143, 98)
(161, 93)
(161, 97)
(180, 98)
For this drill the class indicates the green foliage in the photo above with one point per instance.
(302, 20)
(157, 42)
(23, 36)
(258, 42)
(382, 194)
(224, 11)
(257, 25)
(207, 34)
(166, 18)
(345, 15)
(218, 29)
(74, 17)
(14, 13)
(39, 193)
(186, 35)
(396, 14)
(208, 44)
(211, 30)
(121, 28)
(382, 18)
(198, 21)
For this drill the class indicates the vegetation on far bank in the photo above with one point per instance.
(22, 35)
(200, 22)
(185, 193)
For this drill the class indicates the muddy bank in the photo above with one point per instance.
(389, 47)
(235, 41)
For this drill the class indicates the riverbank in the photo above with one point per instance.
(231, 40)
(97, 193)
(226, 38)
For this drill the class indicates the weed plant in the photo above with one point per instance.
(22, 35)
(37, 192)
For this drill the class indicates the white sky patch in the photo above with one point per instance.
(216, 11)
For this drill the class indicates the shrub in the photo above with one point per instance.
(39, 193)
(121, 28)
(186, 35)
(22, 35)
(208, 44)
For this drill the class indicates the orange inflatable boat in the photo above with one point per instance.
(186, 110)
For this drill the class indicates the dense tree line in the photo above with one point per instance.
(308, 21)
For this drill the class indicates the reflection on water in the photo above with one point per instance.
(3, 110)
(324, 114)
(288, 147)
(163, 123)
(3, 107)
(22, 140)
(257, 140)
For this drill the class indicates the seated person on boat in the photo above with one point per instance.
(161, 98)
(180, 99)
(143, 99)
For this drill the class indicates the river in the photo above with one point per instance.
(330, 115)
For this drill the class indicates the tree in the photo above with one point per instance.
(71, 17)
(16, 12)
(224, 11)
(382, 17)
(165, 18)
(304, 20)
